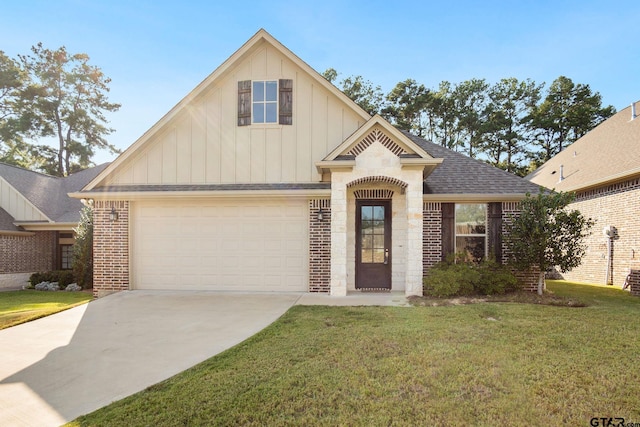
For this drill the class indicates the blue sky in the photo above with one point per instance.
(155, 52)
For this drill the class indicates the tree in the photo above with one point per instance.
(546, 234)
(369, 97)
(567, 113)
(471, 99)
(83, 248)
(406, 108)
(66, 99)
(508, 115)
(13, 80)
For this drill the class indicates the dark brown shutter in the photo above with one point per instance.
(244, 103)
(495, 230)
(448, 229)
(285, 87)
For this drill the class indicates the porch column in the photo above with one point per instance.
(338, 235)
(414, 238)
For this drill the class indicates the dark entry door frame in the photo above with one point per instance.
(373, 244)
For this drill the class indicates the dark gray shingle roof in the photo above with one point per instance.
(460, 174)
(49, 193)
(6, 222)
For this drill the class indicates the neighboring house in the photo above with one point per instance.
(267, 178)
(37, 219)
(603, 170)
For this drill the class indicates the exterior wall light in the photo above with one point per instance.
(113, 215)
(320, 215)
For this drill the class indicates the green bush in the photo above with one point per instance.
(456, 277)
(63, 277)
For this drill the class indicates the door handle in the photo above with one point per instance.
(386, 256)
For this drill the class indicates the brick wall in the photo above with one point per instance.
(431, 235)
(634, 281)
(319, 246)
(618, 205)
(28, 254)
(110, 248)
(529, 278)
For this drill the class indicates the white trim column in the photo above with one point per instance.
(413, 284)
(338, 235)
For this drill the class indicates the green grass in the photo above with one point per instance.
(489, 363)
(22, 306)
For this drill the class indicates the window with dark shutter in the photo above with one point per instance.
(244, 103)
(286, 102)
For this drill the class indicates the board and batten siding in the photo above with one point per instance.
(16, 205)
(203, 143)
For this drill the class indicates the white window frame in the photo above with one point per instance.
(264, 102)
(486, 228)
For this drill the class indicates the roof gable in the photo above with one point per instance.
(32, 196)
(195, 111)
(609, 152)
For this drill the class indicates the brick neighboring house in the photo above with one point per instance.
(266, 177)
(37, 218)
(603, 170)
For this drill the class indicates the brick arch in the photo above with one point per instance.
(379, 180)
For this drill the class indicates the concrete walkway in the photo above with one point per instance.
(54, 369)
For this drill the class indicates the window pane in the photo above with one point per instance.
(472, 247)
(367, 241)
(367, 227)
(378, 241)
(272, 114)
(378, 212)
(367, 256)
(272, 91)
(378, 227)
(258, 113)
(471, 218)
(258, 91)
(367, 212)
(378, 256)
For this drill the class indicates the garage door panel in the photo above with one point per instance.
(220, 245)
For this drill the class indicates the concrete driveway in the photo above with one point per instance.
(54, 369)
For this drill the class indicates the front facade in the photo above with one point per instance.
(37, 219)
(267, 178)
(602, 169)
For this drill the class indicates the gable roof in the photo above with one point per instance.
(219, 73)
(378, 128)
(461, 175)
(47, 193)
(609, 152)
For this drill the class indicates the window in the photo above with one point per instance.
(66, 257)
(471, 230)
(265, 102)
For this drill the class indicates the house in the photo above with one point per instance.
(267, 178)
(603, 170)
(37, 219)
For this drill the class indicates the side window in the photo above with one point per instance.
(66, 257)
(265, 101)
(471, 230)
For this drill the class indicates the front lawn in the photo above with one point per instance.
(22, 306)
(477, 364)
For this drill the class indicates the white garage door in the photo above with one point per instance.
(220, 245)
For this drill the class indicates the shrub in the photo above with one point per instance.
(456, 277)
(63, 277)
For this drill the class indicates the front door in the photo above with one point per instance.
(373, 244)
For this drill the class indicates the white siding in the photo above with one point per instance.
(16, 205)
(203, 144)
